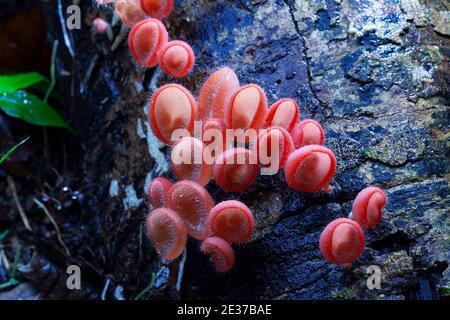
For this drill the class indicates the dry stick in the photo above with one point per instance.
(12, 186)
(52, 220)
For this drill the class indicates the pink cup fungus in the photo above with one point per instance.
(283, 113)
(129, 12)
(342, 241)
(158, 192)
(236, 169)
(272, 137)
(176, 58)
(192, 203)
(247, 108)
(310, 168)
(167, 232)
(172, 107)
(308, 132)
(146, 40)
(220, 253)
(368, 206)
(232, 220)
(216, 92)
(156, 8)
(188, 162)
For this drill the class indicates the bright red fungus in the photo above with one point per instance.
(158, 192)
(146, 40)
(220, 253)
(236, 169)
(284, 113)
(232, 220)
(167, 232)
(129, 12)
(308, 132)
(193, 203)
(310, 168)
(172, 107)
(216, 92)
(274, 137)
(156, 8)
(176, 58)
(247, 108)
(342, 241)
(188, 162)
(368, 206)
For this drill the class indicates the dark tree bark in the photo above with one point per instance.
(374, 73)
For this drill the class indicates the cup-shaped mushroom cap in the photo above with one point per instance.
(236, 169)
(308, 132)
(156, 8)
(172, 107)
(146, 40)
(283, 113)
(158, 192)
(342, 241)
(368, 206)
(216, 92)
(310, 168)
(176, 58)
(167, 232)
(188, 162)
(247, 108)
(220, 253)
(192, 203)
(273, 146)
(129, 12)
(232, 220)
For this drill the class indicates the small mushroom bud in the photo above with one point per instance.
(247, 108)
(232, 220)
(310, 168)
(167, 232)
(172, 107)
(176, 58)
(342, 241)
(308, 132)
(220, 253)
(156, 8)
(146, 40)
(129, 12)
(192, 203)
(188, 162)
(283, 113)
(368, 206)
(216, 92)
(158, 192)
(236, 169)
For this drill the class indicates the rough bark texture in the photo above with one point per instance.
(375, 73)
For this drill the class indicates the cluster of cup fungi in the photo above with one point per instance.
(185, 208)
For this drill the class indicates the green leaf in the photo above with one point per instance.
(28, 107)
(10, 151)
(12, 83)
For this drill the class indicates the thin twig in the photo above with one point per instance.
(12, 186)
(120, 37)
(181, 270)
(52, 71)
(105, 288)
(148, 288)
(55, 225)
